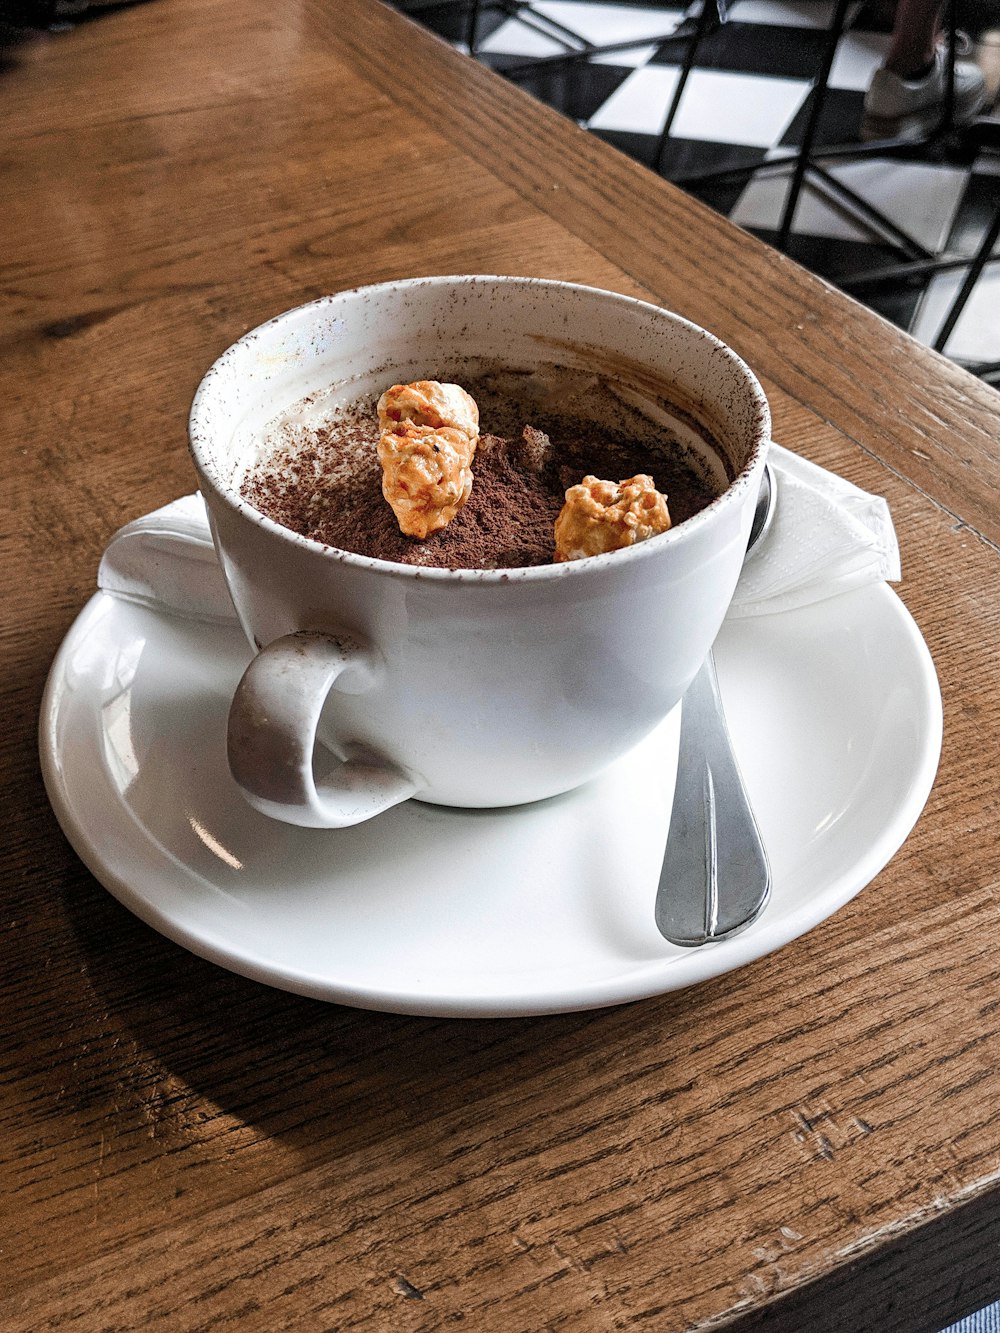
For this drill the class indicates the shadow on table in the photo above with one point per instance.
(305, 1069)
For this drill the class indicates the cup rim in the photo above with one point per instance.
(686, 531)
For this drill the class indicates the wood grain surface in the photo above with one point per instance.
(807, 1144)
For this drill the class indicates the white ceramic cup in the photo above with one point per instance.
(376, 681)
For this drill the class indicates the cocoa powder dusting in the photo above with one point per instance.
(326, 484)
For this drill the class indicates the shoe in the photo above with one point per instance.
(909, 107)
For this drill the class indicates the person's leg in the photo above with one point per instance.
(908, 93)
(915, 34)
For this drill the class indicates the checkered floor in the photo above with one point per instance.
(746, 101)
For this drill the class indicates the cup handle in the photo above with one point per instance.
(273, 722)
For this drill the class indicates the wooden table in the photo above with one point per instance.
(807, 1144)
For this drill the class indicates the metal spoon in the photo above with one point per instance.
(715, 879)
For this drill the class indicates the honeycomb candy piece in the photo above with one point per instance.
(426, 476)
(427, 441)
(601, 516)
(429, 403)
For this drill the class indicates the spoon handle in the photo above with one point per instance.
(715, 879)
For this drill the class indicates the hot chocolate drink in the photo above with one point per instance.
(318, 473)
(471, 686)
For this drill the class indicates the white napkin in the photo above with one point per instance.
(826, 537)
(167, 560)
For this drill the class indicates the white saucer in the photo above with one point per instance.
(836, 718)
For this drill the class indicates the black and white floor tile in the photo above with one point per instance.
(746, 102)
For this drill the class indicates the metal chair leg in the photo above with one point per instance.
(812, 125)
(472, 31)
(979, 262)
(709, 8)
